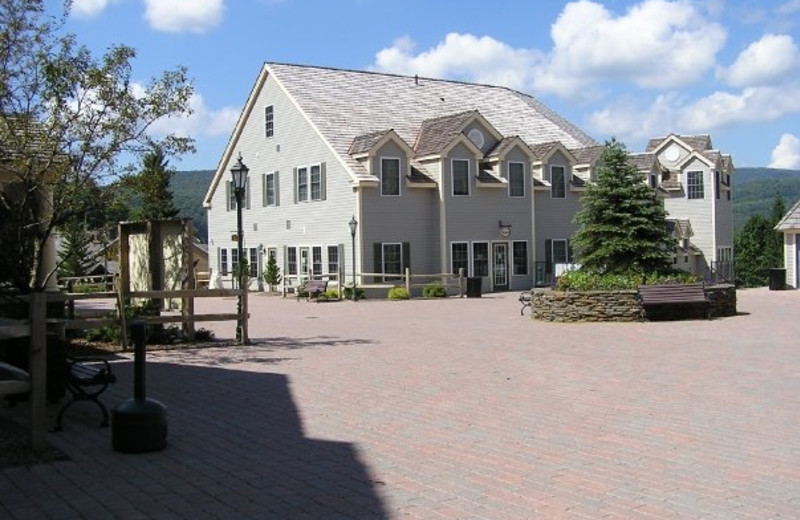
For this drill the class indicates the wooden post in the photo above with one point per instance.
(38, 360)
(408, 281)
(123, 320)
(187, 303)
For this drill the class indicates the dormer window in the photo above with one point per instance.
(558, 182)
(694, 185)
(269, 121)
(460, 174)
(516, 179)
(390, 176)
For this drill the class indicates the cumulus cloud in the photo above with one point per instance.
(787, 153)
(768, 61)
(462, 56)
(89, 8)
(656, 43)
(202, 122)
(183, 15)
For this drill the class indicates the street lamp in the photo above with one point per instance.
(239, 173)
(353, 227)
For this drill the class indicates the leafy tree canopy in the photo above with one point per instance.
(622, 226)
(758, 247)
(68, 121)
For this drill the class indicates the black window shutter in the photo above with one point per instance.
(548, 256)
(377, 261)
(406, 257)
(322, 182)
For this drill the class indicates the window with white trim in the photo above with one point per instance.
(316, 260)
(291, 261)
(480, 259)
(269, 121)
(253, 262)
(459, 257)
(560, 251)
(234, 260)
(516, 179)
(223, 261)
(558, 182)
(694, 185)
(392, 260)
(316, 182)
(460, 177)
(302, 184)
(309, 183)
(520, 257)
(270, 195)
(390, 176)
(333, 259)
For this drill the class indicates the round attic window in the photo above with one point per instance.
(476, 136)
(672, 153)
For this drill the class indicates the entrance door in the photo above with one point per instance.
(500, 266)
(303, 264)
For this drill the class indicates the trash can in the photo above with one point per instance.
(777, 279)
(473, 287)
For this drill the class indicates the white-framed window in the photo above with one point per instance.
(316, 260)
(390, 176)
(270, 193)
(558, 182)
(694, 185)
(309, 182)
(725, 254)
(480, 259)
(460, 177)
(560, 251)
(291, 260)
(253, 262)
(516, 179)
(652, 180)
(333, 259)
(269, 120)
(316, 182)
(459, 257)
(223, 261)
(392, 260)
(519, 254)
(234, 260)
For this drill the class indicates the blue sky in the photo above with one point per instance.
(629, 69)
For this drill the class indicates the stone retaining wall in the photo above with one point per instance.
(547, 305)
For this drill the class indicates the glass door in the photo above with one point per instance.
(500, 266)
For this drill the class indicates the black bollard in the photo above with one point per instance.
(139, 424)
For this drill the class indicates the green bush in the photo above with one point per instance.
(580, 280)
(85, 288)
(332, 294)
(398, 293)
(361, 294)
(434, 290)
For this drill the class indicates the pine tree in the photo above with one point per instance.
(758, 247)
(272, 274)
(622, 225)
(75, 255)
(152, 183)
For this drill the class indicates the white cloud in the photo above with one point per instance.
(462, 56)
(183, 15)
(89, 8)
(656, 44)
(768, 61)
(787, 153)
(790, 7)
(202, 122)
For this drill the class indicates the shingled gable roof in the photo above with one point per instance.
(437, 133)
(506, 144)
(343, 104)
(543, 151)
(643, 162)
(699, 142)
(364, 144)
(791, 220)
(587, 154)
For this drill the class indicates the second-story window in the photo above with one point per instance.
(516, 180)
(460, 177)
(316, 182)
(269, 121)
(302, 184)
(694, 185)
(558, 182)
(270, 195)
(390, 176)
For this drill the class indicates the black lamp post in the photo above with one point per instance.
(239, 173)
(353, 227)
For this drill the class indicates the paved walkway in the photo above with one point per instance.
(449, 409)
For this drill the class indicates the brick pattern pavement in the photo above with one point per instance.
(449, 409)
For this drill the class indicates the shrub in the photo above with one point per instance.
(398, 293)
(332, 294)
(202, 334)
(360, 293)
(581, 280)
(434, 290)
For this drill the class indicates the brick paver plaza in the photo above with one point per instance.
(448, 409)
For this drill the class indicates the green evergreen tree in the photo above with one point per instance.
(272, 273)
(76, 259)
(758, 247)
(621, 224)
(152, 184)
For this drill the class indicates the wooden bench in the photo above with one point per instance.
(525, 300)
(313, 289)
(674, 295)
(87, 378)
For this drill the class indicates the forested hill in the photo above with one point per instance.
(188, 190)
(754, 191)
